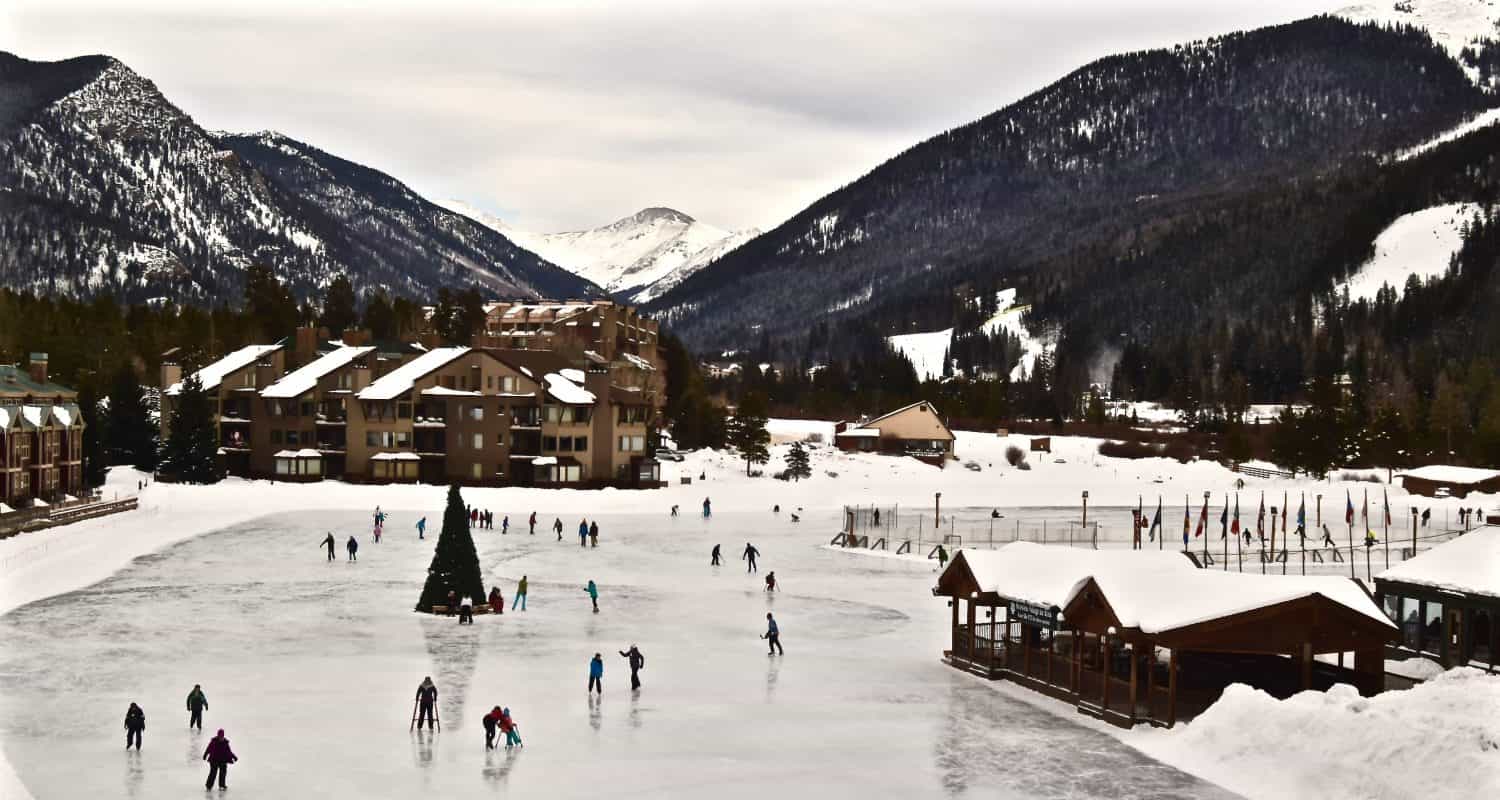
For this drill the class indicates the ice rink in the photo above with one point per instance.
(311, 667)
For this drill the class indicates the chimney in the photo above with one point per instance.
(305, 345)
(38, 367)
(356, 337)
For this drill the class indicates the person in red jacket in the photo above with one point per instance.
(219, 757)
(497, 601)
(492, 721)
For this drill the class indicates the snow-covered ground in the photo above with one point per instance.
(183, 590)
(925, 351)
(1452, 24)
(1420, 243)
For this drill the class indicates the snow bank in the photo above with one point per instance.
(1439, 740)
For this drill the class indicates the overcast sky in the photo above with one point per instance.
(560, 115)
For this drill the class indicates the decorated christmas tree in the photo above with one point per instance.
(455, 563)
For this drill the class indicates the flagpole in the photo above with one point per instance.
(1286, 541)
(1187, 514)
(1303, 536)
(1365, 518)
(1225, 537)
(1239, 546)
(1260, 530)
(1386, 499)
(1350, 515)
(1273, 536)
(1161, 534)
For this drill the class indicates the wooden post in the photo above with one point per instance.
(991, 658)
(1150, 681)
(1051, 641)
(937, 507)
(1025, 652)
(1351, 550)
(1172, 689)
(973, 628)
(954, 605)
(1307, 665)
(1104, 674)
(1135, 661)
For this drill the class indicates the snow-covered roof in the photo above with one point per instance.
(33, 415)
(303, 453)
(5, 509)
(213, 374)
(544, 461)
(399, 380)
(395, 457)
(443, 391)
(573, 374)
(638, 361)
(1469, 564)
(63, 415)
(566, 391)
(873, 433)
(1446, 474)
(305, 378)
(1152, 590)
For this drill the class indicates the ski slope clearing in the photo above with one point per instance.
(927, 351)
(1483, 119)
(1420, 243)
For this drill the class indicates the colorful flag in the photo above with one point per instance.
(1387, 498)
(1348, 508)
(1236, 527)
(1187, 521)
(1156, 520)
(1260, 519)
(1224, 520)
(1284, 510)
(1202, 520)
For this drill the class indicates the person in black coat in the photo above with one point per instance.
(328, 543)
(135, 722)
(426, 701)
(715, 557)
(637, 661)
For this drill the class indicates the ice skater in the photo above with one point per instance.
(466, 611)
(504, 525)
(532, 523)
(511, 730)
(557, 526)
(422, 528)
(353, 547)
(593, 595)
(519, 603)
(379, 529)
(674, 509)
(219, 757)
(329, 543)
(196, 702)
(583, 533)
(135, 724)
(772, 636)
(594, 533)
(750, 555)
(637, 663)
(596, 675)
(1328, 538)
(715, 557)
(426, 702)
(942, 557)
(771, 581)
(497, 600)
(708, 509)
(491, 723)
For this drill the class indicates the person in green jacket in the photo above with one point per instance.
(196, 702)
(593, 595)
(519, 604)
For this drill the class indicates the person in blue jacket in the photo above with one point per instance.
(422, 528)
(596, 675)
(773, 636)
(583, 533)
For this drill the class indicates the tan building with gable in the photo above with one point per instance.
(916, 430)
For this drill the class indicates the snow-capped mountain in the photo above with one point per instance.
(636, 258)
(108, 188)
(1456, 25)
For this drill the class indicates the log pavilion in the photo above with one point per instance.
(1147, 636)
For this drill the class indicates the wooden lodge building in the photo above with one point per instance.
(1438, 480)
(398, 413)
(1148, 637)
(1447, 601)
(916, 430)
(41, 437)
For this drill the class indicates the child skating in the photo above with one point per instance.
(593, 595)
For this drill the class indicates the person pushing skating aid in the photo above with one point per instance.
(427, 695)
(511, 730)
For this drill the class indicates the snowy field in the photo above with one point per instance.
(311, 666)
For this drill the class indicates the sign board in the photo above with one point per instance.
(1044, 617)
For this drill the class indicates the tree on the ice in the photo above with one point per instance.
(747, 432)
(131, 435)
(797, 465)
(191, 452)
(455, 564)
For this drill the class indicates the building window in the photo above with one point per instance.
(477, 471)
(632, 415)
(632, 444)
(1432, 627)
(403, 411)
(476, 413)
(275, 436)
(508, 383)
(580, 443)
(549, 443)
(478, 441)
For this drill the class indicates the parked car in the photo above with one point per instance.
(665, 454)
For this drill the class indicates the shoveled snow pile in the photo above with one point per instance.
(1438, 740)
(1420, 243)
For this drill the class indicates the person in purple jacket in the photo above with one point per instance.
(219, 757)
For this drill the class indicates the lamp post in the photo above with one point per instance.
(937, 506)
(1085, 508)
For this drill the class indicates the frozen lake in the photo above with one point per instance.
(311, 667)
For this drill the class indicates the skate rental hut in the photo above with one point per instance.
(916, 430)
(1148, 637)
(1446, 601)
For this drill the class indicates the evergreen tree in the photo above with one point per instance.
(94, 461)
(130, 433)
(455, 563)
(270, 305)
(191, 452)
(380, 317)
(339, 313)
(747, 431)
(797, 466)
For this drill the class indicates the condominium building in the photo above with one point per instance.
(41, 437)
